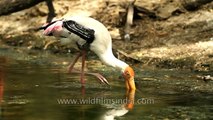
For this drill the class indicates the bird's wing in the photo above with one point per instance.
(83, 32)
(47, 25)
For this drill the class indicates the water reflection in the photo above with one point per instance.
(1, 84)
(31, 92)
(2, 60)
(122, 109)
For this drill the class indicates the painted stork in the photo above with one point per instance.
(86, 33)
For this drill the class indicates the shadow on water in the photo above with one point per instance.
(30, 91)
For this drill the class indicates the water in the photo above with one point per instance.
(30, 91)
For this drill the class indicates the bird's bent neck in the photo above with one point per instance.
(109, 59)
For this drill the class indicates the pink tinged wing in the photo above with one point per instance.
(54, 28)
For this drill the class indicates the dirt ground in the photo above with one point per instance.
(182, 39)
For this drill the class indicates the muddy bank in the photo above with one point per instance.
(182, 41)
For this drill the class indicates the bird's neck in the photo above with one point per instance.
(109, 59)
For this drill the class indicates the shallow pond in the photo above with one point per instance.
(31, 91)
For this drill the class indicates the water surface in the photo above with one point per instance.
(30, 91)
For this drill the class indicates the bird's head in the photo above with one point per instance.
(129, 75)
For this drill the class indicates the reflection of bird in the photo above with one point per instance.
(111, 114)
(118, 111)
(89, 34)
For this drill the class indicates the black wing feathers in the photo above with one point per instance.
(83, 32)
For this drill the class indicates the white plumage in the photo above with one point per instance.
(101, 45)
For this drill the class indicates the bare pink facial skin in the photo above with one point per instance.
(55, 29)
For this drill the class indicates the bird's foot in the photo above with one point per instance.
(100, 77)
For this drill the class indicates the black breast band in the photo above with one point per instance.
(83, 32)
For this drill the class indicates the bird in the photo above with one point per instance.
(88, 34)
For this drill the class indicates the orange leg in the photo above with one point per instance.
(71, 66)
(72, 70)
(82, 67)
